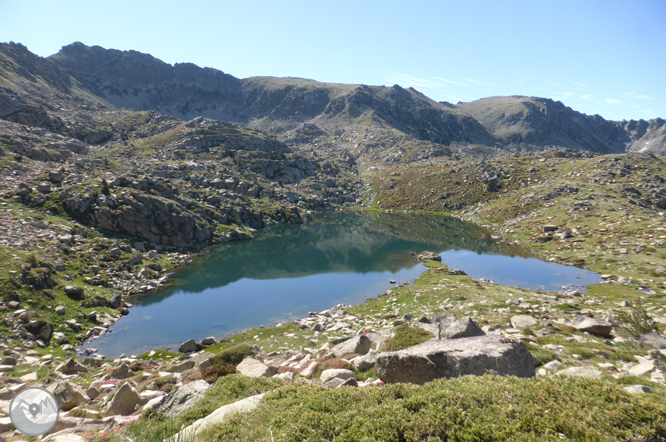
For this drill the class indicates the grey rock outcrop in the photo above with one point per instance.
(445, 358)
(74, 292)
(183, 398)
(654, 340)
(366, 361)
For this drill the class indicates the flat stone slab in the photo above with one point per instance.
(637, 389)
(520, 321)
(447, 358)
(581, 372)
(217, 417)
(592, 325)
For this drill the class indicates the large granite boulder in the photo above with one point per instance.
(74, 292)
(256, 369)
(367, 361)
(124, 401)
(189, 346)
(217, 417)
(67, 395)
(357, 345)
(183, 398)
(446, 358)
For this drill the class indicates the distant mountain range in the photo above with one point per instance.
(368, 123)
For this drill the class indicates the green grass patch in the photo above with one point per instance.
(406, 336)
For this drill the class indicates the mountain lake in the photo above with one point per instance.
(290, 270)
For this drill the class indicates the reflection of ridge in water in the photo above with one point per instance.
(335, 242)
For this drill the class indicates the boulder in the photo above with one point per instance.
(124, 402)
(465, 328)
(75, 293)
(428, 256)
(122, 371)
(188, 346)
(357, 345)
(202, 360)
(309, 370)
(209, 341)
(446, 358)
(217, 417)
(92, 392)
(67, 395)
(286, 376)
(654, 340)
(255, 369)
(592, 325)
(71, 367)
(116, 301)
(6, 424)
(367, 361)
(182, 399)
(154, 403)
(520, 321)
(339, 373)
(338, 382)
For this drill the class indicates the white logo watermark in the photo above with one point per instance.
(34, 411)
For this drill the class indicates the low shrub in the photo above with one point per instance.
(635, 320)
(218, 370)
(234, 354)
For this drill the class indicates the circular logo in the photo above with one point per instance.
(34, 411)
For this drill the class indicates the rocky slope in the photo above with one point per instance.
(360, 118)
(100, 202)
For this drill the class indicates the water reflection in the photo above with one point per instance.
(334, 243)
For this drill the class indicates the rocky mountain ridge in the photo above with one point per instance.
(279, 105)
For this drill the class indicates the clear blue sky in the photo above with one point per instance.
(603, 57)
